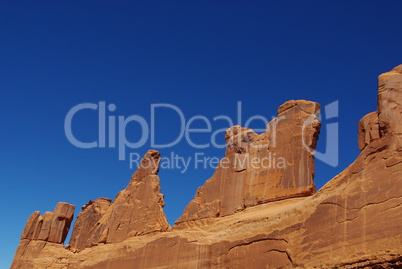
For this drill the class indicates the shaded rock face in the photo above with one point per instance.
(354, 221)
(368, 130)
(256, 169)
(389, 101)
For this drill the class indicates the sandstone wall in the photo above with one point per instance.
(256, 169)
(354, 221)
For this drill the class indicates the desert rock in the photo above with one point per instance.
(62, 218)
(52, 227)
(256, 169)
(86, 221)
(354, 221)
(137, 210)
(390, 101)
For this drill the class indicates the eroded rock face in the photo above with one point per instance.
(40, 231)
(91, 213)
(137, 210)
(46, 226)
(389, 101)
(62, 218)
(52, 227)
(354, 221)
(256, 169)
(32, 226)
(368, 130)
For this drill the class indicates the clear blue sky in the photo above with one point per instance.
(202, 56)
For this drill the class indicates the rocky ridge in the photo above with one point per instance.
(137, 210)
(257, 169)
(243, 218)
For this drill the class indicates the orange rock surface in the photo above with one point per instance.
(137, 210)
(354, 221)
(257, 169)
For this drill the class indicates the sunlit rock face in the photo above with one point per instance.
(137, 210)
(354, 221)
(87, 220)
(52, 226)
(256, 169)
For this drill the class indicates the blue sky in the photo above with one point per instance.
(203, 57)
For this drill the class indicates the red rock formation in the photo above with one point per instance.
(32, 226)
(62, 218)
(359, 213)
(354, 221)
(256, 169)
(368, 130)
(86, 221)
(52, 227)
(389, 105)
(40, 231)
(137, 210)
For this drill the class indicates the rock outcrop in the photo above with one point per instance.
(368, 130)
(50, 229)
(358, 214)
(389, 101)
(354, 221)
(89, 218)
(52, 226)
(137, 210)
(256, 169)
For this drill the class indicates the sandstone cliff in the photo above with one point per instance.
(257, 169)
(52, 226)
(137, 210)
(354, 221)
